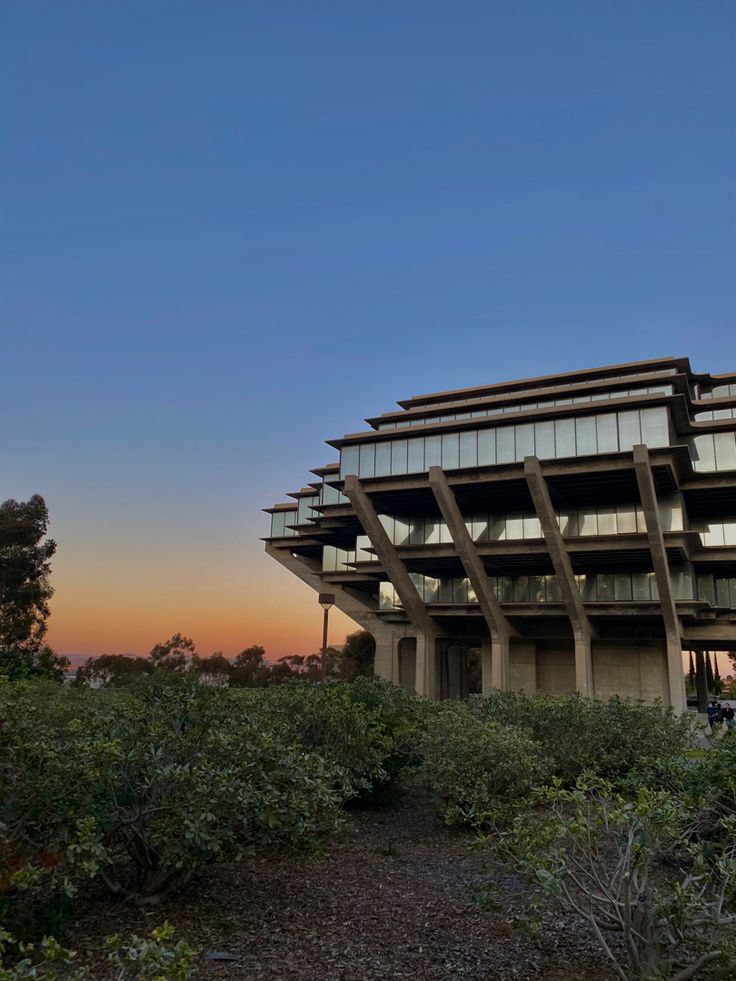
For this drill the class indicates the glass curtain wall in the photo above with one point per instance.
(573, 436)
(714, 451)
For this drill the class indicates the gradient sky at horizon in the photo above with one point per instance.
(233, 230)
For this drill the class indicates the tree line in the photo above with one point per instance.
(178, 658)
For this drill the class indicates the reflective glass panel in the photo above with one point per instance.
(383, 459)
(524, 441)
(469, 448)
(622, 586)
(416, 531)
(521, 590)
(398, 456)
(585, 435)
(536, 589)
(725, 451)
(480, 528)
(505, 445)
(544, 439)
(605, 586)
(569, 523)
(553, 590)
(505, 589)
(432, 531)
(514, 527)
(607, 433)
(349, 461)
(367, 459)
(431, 589)
(729, 533)
(654, 428)
(416, 455)
(445, 591)
(629, 430)
(432, 451)
(486, 447)
(607, 521)
(402, 529)
(587, 521)
(704, 455)
(722, 593)
(532, 527)
(450, 451)
(565, 437)
(706, 589)
(626, 519)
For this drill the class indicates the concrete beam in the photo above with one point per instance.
(582, 628)
(386, 636)
(411, 601)
(498, 624)
(672, 625)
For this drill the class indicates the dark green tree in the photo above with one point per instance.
(112, 671)
(175, 654)
(691, 672)
(249, 669)
(25, 590)
(709, 681)
(717, 682)
(214, 670)
(357, 655)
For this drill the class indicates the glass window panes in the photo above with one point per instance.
(486, 447)
(654, 428)
(607, 521)
(514, 527)
(416, 456)
(629, 430)
(524, 441)
(626, 519)
(367, 459)
(383, 459)
(532, 527)
(469, 448)
(432, 452)
(725, 445)
(505, 444)
(587, 521)
(622, 586)
(586, 439)
(349, 461)
(565, 437)
(398, 456)
(450, 451)
(607, 431)
(544, 439)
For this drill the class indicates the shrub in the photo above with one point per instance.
(579, 734)
(143, 789)
(363, 727)
(476, 768)
(636, 868)
(152, 958)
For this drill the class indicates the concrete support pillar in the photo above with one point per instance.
(672, 625)
(486, 666)
(582, 628)
(584, 665)
(426, 665)
(385, 664)
(500, 657)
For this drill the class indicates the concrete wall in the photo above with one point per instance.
(631, 670)
(555, 668)
(523, 666)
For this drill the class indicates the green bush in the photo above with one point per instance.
(152, 958)
(477, 769)
(142, 789)
(578, 734)
(365, 727)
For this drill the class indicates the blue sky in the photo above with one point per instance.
(232, 230)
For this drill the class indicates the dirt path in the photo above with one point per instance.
(390, 899)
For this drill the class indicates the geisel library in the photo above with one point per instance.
(570, 532)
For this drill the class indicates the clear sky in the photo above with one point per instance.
(233, 229)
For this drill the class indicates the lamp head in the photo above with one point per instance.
(326, 600)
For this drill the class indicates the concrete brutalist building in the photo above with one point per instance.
(570, 532)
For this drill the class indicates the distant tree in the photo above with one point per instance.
(717, 683)
(249, 670)
(357, 655)
(25, 591)
(175, 654)
(214, 670)
(112, 671)
(709, 673)
(691, 672)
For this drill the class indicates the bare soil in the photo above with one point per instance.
(391, 898)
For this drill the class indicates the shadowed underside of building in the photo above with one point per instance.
(570, 532)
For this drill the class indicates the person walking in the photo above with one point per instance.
(715, 716)
(728, 716)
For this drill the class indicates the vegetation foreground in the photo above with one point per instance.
(297, 827)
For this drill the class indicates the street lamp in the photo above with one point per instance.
(326, 600)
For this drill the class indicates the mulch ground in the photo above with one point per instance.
(392, 898)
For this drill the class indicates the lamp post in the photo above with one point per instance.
(326, 600)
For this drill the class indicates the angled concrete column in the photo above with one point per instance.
(672, 625)
(425, 627)
(582, 628)
(498, 624)
(386, 636)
